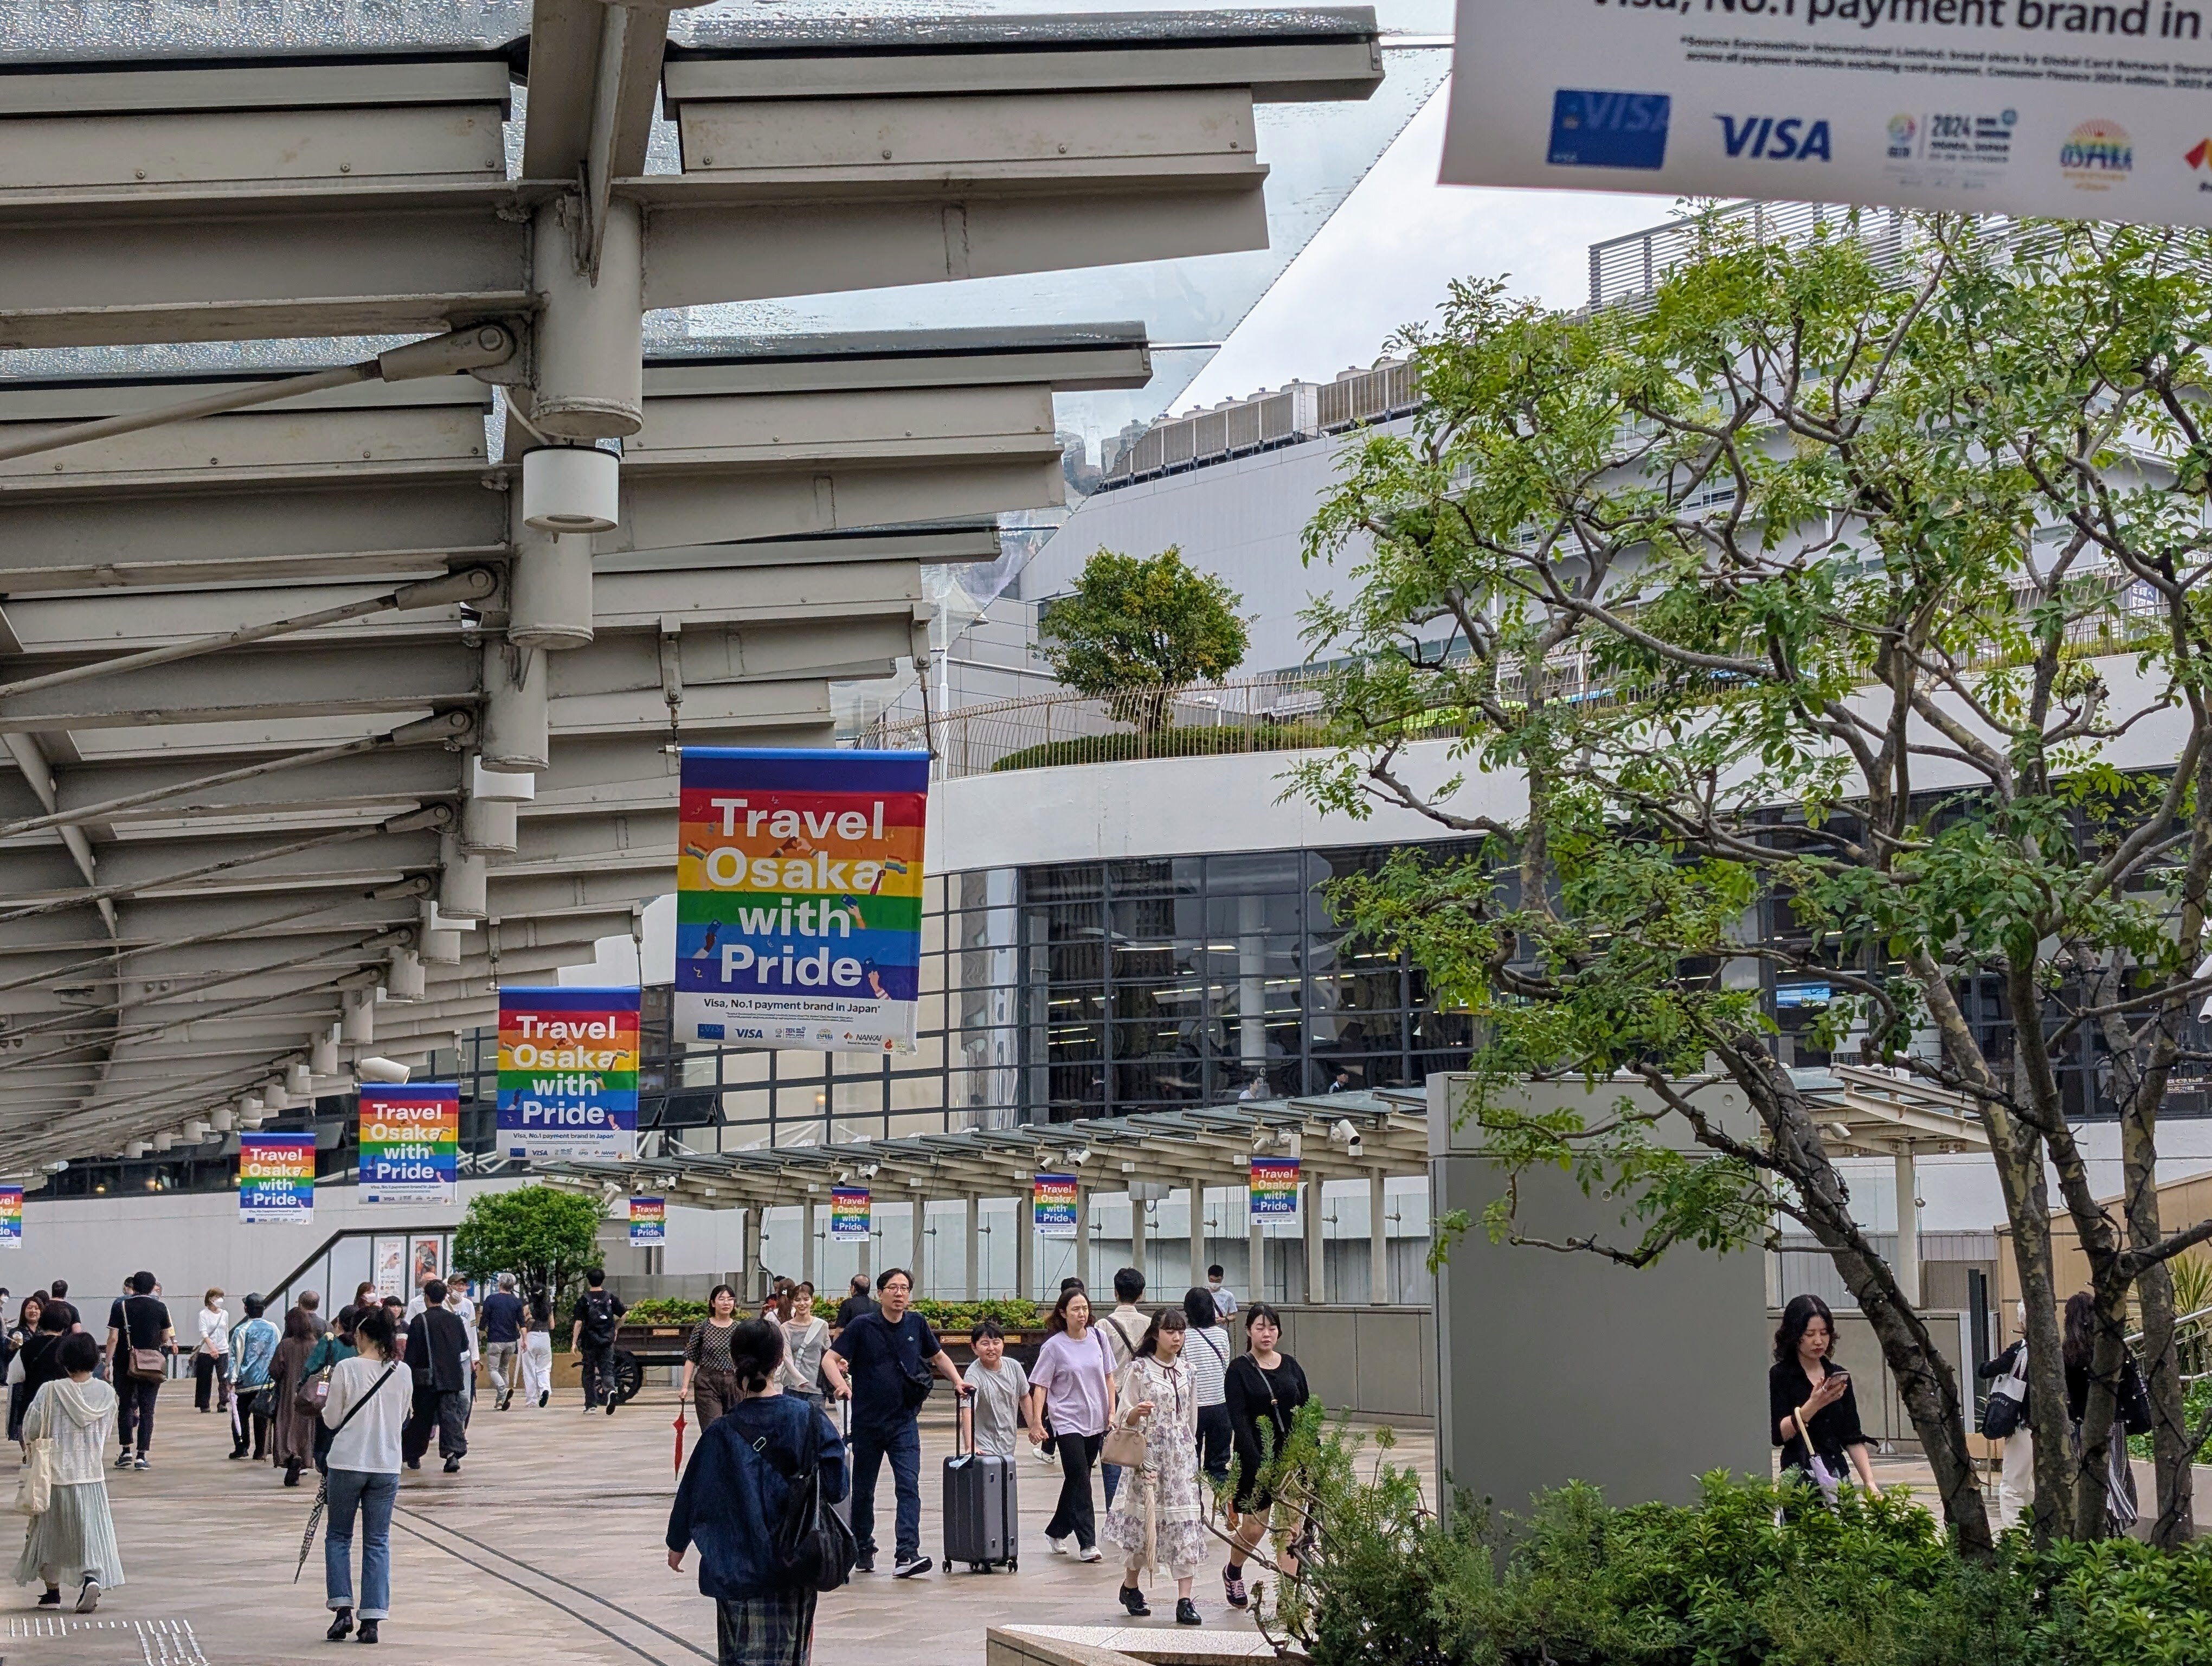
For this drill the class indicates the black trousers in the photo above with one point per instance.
(135, 1401)
(441, 1411)
(599, 1368)
(1073, 1513)
(1213, 1441)
(251, 1409)
(210, 1372)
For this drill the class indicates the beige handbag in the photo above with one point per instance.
(34, 1482)
(1124, 1447)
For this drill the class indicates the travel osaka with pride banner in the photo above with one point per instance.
(410, 1142)
(568, 1073)
(799, 898)
(276, 1178)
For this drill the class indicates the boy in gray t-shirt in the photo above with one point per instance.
(999, 1402)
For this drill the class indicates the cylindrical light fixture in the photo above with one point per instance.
(165, 1140)
(515, 785)
(517, 731)
(571, 489)
(275, 1095)
(549, 603)
(223, 1119)
(134, 1149)
(194, 1131)
(488, 825)
(464, 881)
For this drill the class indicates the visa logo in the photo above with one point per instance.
(1597, 129)
(1776, 139)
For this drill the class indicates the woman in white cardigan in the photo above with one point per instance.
(369, 1399)
(74, 1537)
(1158, 1517)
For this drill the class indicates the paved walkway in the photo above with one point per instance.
(546, 1549)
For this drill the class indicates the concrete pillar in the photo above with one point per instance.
(1252, 984)
(971, 1221)
(1378, 1241)
(1198, 1262)
(1083, 1233)
(1138, 1227)
(1907, 1262)
(866, 1246)
(1309, 1218)
(1257, 1277)
(1025, 1246)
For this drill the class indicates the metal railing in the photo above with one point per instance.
(1304, 410)
(1625, 271)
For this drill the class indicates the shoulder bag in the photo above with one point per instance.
(1124, 1445)
(34, 1482)
(2008, 1400)
(812, 1546)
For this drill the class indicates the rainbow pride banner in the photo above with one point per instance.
(568, 1073)
(1052, 1203)
(410, 1142)
(648, 1222)
(277, 1178)
(1274, 1188)
(11, 1217)
(799, 898)
(848, 1212)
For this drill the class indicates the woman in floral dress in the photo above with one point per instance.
(1158, 1517)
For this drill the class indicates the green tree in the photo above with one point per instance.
(1138, 628)
(1840, 615)
(546, 1238)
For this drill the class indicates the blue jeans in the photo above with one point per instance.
(374, 1496)
(902, 1444)
(1113, 1474)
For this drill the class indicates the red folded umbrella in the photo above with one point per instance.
(679, 1441)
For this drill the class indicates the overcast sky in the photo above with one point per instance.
(1385, 259)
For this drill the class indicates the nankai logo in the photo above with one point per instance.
(1776, 138)
(1608, 130)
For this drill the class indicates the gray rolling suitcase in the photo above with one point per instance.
(982, 1524)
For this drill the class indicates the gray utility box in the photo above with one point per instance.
(1555, 1366)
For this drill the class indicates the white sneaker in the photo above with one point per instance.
(1059, 1546)
(1038, 1452)
(1090, 1553)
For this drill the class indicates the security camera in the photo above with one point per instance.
(379, 1070)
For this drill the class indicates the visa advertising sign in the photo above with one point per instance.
(568, 1072)
(799, 898)
(410, 1142)
(1990, 107)
(277, 1178)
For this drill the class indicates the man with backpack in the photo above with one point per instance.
(882, 1362)
(597, 1317)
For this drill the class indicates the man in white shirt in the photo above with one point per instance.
(458, 1304)
(1225, 1304)
(211, 1359)
(1124, 1327)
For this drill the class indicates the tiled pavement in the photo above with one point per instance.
(546, 1549)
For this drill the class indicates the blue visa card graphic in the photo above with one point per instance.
(1608, 130)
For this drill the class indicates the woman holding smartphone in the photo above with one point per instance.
(1814, 1416)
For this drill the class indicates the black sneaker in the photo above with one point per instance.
(544, 1395)
(611, 1406)
(1187, 1612)
(453, 1466)
(367, 1631)
(342, 1627)
(907, 1567)
(1134, 1601)
(51, 1599)
(865, 1562)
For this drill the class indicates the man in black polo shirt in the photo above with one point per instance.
(882, 1362)
(138, 1326)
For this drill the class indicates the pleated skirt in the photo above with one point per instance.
(75, 1536)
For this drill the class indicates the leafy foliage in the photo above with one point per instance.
(545, 1236)
(1013, 1314)
(1750, 1575)
(1810, 623)
(1136, 627)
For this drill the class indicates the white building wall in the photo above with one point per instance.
(1241, 520)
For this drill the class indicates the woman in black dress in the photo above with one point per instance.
(1265, 1389)
(1808, 1395)
(2131, 1417)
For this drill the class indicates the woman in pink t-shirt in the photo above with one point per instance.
(1072, 1381)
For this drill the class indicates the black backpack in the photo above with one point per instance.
(599, 1317)
(813, 1546)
